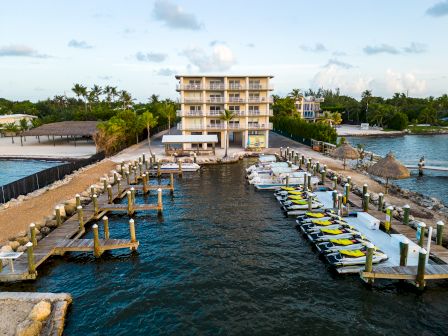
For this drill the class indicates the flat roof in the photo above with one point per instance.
(222, 76)
(176, 139)
(5, 116)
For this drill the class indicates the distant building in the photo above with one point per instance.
(309, 108)
(15, 118)
(204, 98)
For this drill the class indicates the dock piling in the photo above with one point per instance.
(179, 162)
(122, 168)
(30, 254)
(287, 181)
(347, 192)
(109, 194)
(159, 173)
(439, 236)
(106, 227)
(132, 233)
(32, 234)
(171, 183)
(421, 238)
(130, 205)
(96, 241)
(104, 184)
(78, 200)
(310, 203)
(335, 182)
(159, 201)
(145, 183)
(388, 222)
(317, 170)
(305, 183)
(334, 195)
(119, 185)
(95, 204)
(420, 279)
(58, 216)
(364, 189)
(365, 202)
(92, 190)
(322, 176)
(380, 201)
(369, 260)
(128, 178)
(133, 195)
(340, 204)
(80, 217)
(406, 210)
(404, 248)
(309, 182)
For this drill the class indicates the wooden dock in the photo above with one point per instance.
(66, 237)
(432, 272)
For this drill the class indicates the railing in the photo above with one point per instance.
(236, 100)
(216, 86)
(192, 100)
(235, 87)
(261, 113)
(189, 87)
(216, 126)
(218, 100)
(181, 113)
(260, 126)
(219, 87)
(181, 127)
(259, 100)
(214, 113)
(231, 100)
(260, 87)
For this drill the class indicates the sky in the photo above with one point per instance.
(354, 45)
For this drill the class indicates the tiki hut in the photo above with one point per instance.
(344, 152)
(389, 168)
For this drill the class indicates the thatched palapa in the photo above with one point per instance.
(345, 151)
(65, 128)
(389, 168)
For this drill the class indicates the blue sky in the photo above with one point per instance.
(385, 46)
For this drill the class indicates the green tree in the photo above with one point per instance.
(168, 111)
(148, 119)
(81, 91)
(428, 115)
(296, 94)
(227, 116)
(399, 121)
(23, 124)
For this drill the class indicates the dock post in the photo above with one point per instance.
(134, 171)
(287, 180)
(172, 183)
(421, 165)
(133, 195)
(96, 241)
(104, 184)
(78, 200)
(132, 233)
(420, 280)
(109, 194)
(95, 204)
(140, 169)
(365, 202)
(421, 238)
(119, 186)
(159, 201)
(179, 162)
(404, 248)
(130, 207)
(309, 182)
(303, 159)
(145, 185)
(115, 177)
(335, 182)
(281, 154)
(364, 191)
(308, 165)
(128, 178)
(287, 151)
(334, 195)
(340, 204)
(122, 168)
(106, 227)
(347, 192)
(300, 164)
(369, 260)
(80, 217)
(305, 183)
(92, 190)
(380, 201)
(158, 169)
(30, 254)
(143, 158)
(439, 236)
(388, 222)
(310, 203)
(32, 234)
(58, 216)
(322, 176)
(406, 210)
(349, 180)
(317, 170)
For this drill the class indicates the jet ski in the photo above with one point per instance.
(347, 257)
(334, 245)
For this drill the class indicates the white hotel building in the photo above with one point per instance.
(204, 98)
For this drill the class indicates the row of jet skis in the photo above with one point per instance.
(340, 244)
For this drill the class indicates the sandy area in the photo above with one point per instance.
(355, 130)
(17, 218)
(46, 149)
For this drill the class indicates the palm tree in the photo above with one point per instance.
(169, 111)
(148, 119)
(126, 99)
(367, 96)
(296, 94)
(81, 91)
(226, 116)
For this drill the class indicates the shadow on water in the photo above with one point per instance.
(224, 260)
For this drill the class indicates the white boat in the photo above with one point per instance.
(278, 182)
(186, 167)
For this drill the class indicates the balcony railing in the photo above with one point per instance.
(181, 113)
(220, 86)
(214, 113)
(235, 87)
(192, 100)
(236, 100)
(251, 100)
(181, 127)
(218, 100)
(216, 126)
(260, 126)
(261, 113)
(222, 100)
(189, 87)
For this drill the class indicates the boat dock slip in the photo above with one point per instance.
(66, 237)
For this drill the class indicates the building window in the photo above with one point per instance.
(254, 84)
(234, 84)
(194, 84)
(195, 108)
(254, 110)
(234, 108)
(216, 84)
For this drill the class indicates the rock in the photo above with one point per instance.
(51, 224)
(70, 209)
(39, 224)
(29, 328)
(21, 248)
(61, 209)
(39, 236)
(85, 194)
(6, 248)
(22, 240)
(40, 311)
(14, 245)
(374, 197)
(45, 230)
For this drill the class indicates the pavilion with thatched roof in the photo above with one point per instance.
(344, 152)
(389, 168)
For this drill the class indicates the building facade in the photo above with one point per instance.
(203, 99)
(309, 108)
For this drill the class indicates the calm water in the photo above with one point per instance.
(408, 149)
(12, 170)
(224, 261)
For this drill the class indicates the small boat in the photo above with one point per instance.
(334, 245)
(347, 257)
(301, 205)
(327, 234)
(186, 166)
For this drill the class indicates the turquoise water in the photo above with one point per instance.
(408, 149)
(12, 170)
(224, 261)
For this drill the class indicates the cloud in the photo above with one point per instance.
(438, 10)
(415, 48)
(20, 51)
(151, 57)
(339, 53)
(174, 16)
(216, 42)
(402, 82)
(106, 78)
(220, 59)
(319, 47)
(167, 72)
(128, 31)
(250, 45)
(79, 44)
(381, 49)
(334, 61)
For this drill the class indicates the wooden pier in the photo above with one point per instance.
(66, 237)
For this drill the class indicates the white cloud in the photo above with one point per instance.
(318, 47)
(151, 57)
(438, 10)
(220, 59)
(402, 82)
(174, 16)
(167, 72)
(79, 44)
(336, 62)
(381, 49)
(415, 48)
(17, 50)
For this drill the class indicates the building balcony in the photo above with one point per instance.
(216, 127)
(261, 113)
(258, 100)
(183, 113)
(267, 126)
(215, 100)
(238, 100)
(215, 87)
(189, 87)
(192, 100)
(260, 87)
(195, 127)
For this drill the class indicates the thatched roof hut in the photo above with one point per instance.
(345, 151)
(389, 168)
(65, 128)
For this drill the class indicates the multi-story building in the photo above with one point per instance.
(203, 99)
(309, 108)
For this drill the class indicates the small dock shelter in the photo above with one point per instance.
(184, 144)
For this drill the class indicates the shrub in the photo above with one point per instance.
(398, 122)
(300, 128)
